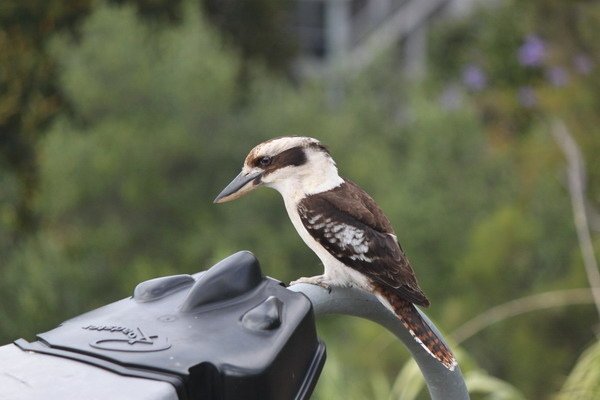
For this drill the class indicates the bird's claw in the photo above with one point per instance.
(314, 280)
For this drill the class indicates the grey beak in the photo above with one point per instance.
(238, 186)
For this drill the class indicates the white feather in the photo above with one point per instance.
(317, 175)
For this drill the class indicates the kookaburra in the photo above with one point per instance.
(343, 225)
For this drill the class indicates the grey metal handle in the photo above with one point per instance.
(442, 383)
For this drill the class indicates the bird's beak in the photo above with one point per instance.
(239, 186)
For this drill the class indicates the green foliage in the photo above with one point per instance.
(584, 380)
(409, 385)
(474, 190)
(259, 29)
(527, 244)
(38, 290)
(491, 388)
(31, 95)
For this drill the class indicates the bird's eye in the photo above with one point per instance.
(265, 161)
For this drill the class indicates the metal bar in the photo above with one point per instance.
(337, 16)
(406, 19)
(441, 382)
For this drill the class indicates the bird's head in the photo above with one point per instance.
(288, 164)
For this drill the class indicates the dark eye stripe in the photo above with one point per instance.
(294, 156)
(290, 157)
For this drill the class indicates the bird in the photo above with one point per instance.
(343, 226)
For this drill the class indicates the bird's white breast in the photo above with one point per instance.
(335, 271)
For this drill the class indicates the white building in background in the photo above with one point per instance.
(350, 34)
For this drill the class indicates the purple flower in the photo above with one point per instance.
(558, 76)
(583, 64)
(474, 77)
(526, 96)
(532, 52)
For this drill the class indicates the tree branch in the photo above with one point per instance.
(523, 305)
(576, 177)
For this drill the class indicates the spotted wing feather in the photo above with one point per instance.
(352, 228)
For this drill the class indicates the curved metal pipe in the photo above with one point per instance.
(441, 382)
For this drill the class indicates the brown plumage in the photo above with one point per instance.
(382, 259)
(411, 319)
(343, 225)
(351, 205)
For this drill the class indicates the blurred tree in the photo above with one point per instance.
(31, 96)
(259, 29)
(584, 380)
(461, 164)
(155, 10)
(127, 195)
(540, 61)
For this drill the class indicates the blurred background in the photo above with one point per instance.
(474, 124)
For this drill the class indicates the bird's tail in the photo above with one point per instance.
(419, 329)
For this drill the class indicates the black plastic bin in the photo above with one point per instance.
(227, 333)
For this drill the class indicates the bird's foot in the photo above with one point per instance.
(318, 280)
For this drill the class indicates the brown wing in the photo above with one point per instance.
(350, 225)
